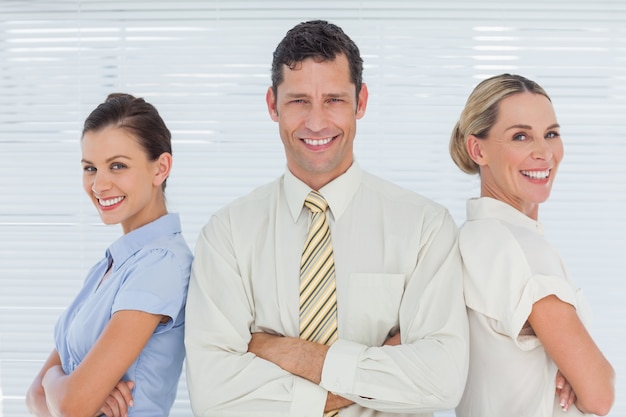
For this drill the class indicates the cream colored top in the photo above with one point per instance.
(508, 267)
(397, 267)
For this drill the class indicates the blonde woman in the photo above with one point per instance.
(530, 353)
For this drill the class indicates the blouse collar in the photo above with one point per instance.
(489, 208)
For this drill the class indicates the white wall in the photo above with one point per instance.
(205, 65)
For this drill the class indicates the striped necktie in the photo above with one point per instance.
(318, 297)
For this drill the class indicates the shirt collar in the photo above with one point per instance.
(489, 208)
(130, 243)
(338, 193)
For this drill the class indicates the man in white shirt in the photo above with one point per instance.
(397, 342)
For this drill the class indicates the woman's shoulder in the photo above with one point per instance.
(485, 234)
(494, 261)
(164, 258)
(173, 244)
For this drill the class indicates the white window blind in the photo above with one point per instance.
(205, 65)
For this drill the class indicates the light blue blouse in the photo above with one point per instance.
(150, 272)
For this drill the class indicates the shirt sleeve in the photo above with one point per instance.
(427, 371)
(501, 281)
(223, 379)
(154, 284)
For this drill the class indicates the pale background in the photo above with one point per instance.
(205, 65)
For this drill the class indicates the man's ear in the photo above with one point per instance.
(272, 108)
(475, 149)
(362, 103)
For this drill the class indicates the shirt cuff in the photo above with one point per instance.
(308, 399)
(339, 371)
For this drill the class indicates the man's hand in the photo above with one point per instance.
(294, 355)
(302, 358)
(564, 390)
(393, 340)
(335, 402)
(298, 357)
(118, 401)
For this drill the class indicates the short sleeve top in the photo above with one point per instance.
(508, 266)
(150, 269)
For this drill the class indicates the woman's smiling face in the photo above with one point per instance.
(119, 179)
(521, 154)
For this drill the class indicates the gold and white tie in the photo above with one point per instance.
(318, 296)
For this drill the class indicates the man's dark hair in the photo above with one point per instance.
(321, 41)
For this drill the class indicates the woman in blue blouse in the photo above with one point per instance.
(119, 346)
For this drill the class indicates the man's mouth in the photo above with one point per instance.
(317, 142)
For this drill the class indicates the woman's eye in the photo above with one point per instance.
(552, 135)
(89, 169)
(519, 137)
(117, 166)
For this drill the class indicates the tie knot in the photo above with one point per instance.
(315, 202)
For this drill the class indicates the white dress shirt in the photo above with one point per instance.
(397, 267)
(508, 266)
